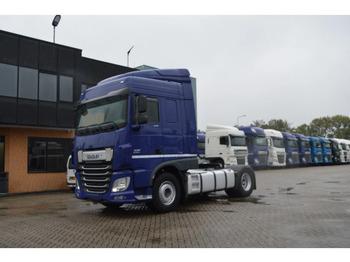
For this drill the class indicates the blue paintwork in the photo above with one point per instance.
(201, 138)
(316, 150)
(292, 152)
(304, 152)
(253, 149)
(137, 152)
(327, 151)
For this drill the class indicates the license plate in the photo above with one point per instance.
(72, 179)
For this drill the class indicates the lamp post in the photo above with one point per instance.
(55, 22)
(238, 119)
(128, 54)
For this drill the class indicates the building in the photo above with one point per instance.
(39, 85)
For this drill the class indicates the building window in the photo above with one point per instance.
(28, 83)
(66, 88)
(8, 83)
(48, 154)
(47, 87)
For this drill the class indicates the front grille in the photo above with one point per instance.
(241, 153)
(295, 157)
(280, 159)
(319, 156)
(95, 178)
(329, 156)
(262, 157)
(308, 156)
(241, 161)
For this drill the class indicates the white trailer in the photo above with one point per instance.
(277, 151)
(225, 146)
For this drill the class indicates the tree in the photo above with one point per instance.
(303, 129)
(336, 126)
(277, 124)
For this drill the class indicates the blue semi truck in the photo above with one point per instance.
(304, 149)
(316, 150)
(257, 146)
(292, 150)
(136, 141)
(326, 150)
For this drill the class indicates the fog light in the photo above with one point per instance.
(119, 197)
(121, 184)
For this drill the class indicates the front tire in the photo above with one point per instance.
(166, 194)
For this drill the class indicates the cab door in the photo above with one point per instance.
(146, 141)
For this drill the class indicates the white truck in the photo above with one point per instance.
(277, 151)
(344, 152)
(225, 146)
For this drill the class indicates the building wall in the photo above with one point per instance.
(40, 82)
(16, 161)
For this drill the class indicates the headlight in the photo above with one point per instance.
(77, 184)
(121, 184)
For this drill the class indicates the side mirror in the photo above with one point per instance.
(142, 104)
(143, 119)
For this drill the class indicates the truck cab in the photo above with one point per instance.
(347, 143)
(343, 153)
(335, 146)
(136, 141)
(304, 149)
(225, 145)
(326, 150)
(277, 152)
(316, 150)
(292, 150)
(257, 146)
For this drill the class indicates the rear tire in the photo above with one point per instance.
(166, 194)
(244, 184)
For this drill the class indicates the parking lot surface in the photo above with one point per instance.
(296, 207)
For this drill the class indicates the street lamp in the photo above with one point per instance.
(238, 119)
(128, 54)
(55, 22)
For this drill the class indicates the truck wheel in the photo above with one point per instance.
(166, 194)
(244, 184)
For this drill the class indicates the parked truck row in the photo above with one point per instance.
(136, 141)
(271, 148)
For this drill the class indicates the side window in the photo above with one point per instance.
(224, 140)
(152, 110)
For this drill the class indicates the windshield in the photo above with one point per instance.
(238, 141)
(318, 144)
(111, 111)
(260, 141)
(292, 143)
(305, 143)
(327, 145)
(278, 142)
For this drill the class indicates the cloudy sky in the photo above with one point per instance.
(291, 67)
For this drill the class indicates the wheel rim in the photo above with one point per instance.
(167, 193)
(246, 182)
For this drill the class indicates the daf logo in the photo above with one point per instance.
(92, 157)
